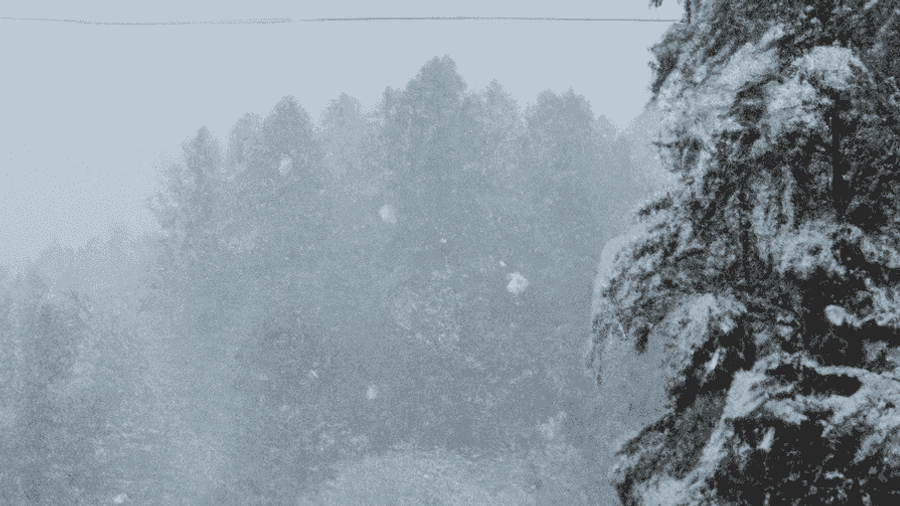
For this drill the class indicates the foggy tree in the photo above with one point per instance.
(476, 188)
(571, 185)
(427, 145)
(560, 131)
(481, 183)
(767, 279)
(277, 214)
(274, 226)
(190, 214)
(413, 219)
(248, 220)
(64, 388)
(503, 210)
(434, 156)
(353, 185)
(285, 181)
(345, 135)
(242, 141)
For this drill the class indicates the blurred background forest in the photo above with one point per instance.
(411, 281)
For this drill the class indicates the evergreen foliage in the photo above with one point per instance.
(768, 275)
(413, 275)
(66, 372)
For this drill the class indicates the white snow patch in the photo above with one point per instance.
(608, 261)
(833, 66)
(702, 111)
(714, 361)
(372, 392)
(767, 440)
(839, 316)
(836, 315)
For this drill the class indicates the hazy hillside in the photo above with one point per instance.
(323, 290)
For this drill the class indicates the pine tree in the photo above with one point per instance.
(426, 132)
(768, 276)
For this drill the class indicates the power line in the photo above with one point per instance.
(273, 21)
(495, 18)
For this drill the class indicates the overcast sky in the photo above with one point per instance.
(86, 111)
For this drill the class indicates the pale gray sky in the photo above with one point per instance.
(87, 110)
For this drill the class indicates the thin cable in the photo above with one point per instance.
(494, 18)
(156, 23)
(273, 21)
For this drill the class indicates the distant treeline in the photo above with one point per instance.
(327, 288)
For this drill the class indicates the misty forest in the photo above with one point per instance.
(449, 299)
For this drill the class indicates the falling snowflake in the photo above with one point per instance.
(517, 283)
(387, 214)
(285, 166)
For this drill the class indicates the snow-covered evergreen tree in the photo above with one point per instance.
(769, 275)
